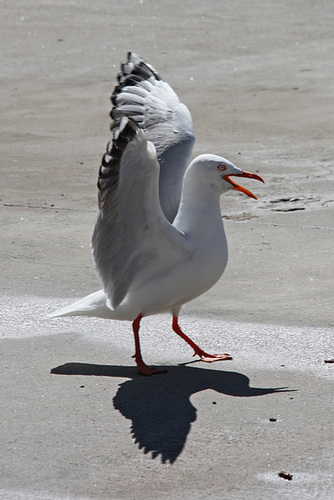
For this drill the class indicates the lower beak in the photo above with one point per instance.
(240, 188)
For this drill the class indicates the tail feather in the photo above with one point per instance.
(95, 305)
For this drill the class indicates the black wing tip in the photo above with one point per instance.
(133, 72)
(140, 67)
(123, 132)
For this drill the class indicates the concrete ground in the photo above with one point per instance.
(78, 421)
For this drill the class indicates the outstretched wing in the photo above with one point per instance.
(131, 234)
(143, 96)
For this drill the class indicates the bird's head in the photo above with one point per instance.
(218, 167)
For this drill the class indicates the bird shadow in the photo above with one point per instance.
(159, 407)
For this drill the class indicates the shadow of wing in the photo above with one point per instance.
(161, 415)
(159, 407)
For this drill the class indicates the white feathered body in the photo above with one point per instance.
(175, 263)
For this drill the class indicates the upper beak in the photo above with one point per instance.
(240, 188)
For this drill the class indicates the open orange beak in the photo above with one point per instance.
(240, 188)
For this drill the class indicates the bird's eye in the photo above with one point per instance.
(221, 167)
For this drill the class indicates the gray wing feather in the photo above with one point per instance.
(142, 95)
(131, 231)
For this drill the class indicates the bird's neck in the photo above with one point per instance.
(199, 213)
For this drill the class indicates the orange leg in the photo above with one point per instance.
(208, 358)
(142, 367)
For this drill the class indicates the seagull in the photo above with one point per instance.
(159, 240)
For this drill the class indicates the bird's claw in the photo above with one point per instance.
(210, 358)
(147, 370)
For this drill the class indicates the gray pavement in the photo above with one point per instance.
(78, 421)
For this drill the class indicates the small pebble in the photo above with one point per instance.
(285, 475)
